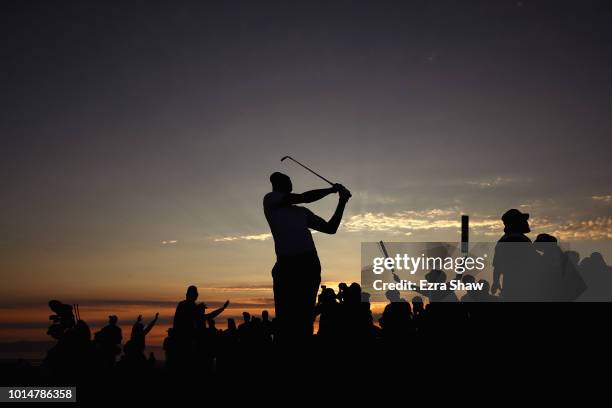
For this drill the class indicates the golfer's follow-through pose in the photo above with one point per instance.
(297, 272)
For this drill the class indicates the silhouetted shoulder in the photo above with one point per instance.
(273, 199)
(514, 238)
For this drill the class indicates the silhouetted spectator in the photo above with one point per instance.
(108, 342)
(63, 319)
(396, 320)
(330, 315)
(417, 305)
(436, 276)
(185, 317)
(598, 277)
(471, 295)
(139, 332)
(266, 325)
(516, 261)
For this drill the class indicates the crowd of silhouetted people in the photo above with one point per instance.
(194, 343)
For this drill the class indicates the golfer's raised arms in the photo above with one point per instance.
(290, 223)
(330, 227)
(307, 196)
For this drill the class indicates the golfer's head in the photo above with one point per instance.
(281, 183)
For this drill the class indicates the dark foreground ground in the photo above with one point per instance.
(536, 345)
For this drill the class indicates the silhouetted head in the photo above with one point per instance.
(265, 316)
(112, 320)
(355, 287)
(545, 242)
(468, 279)
(486, 286)
(598, 259)
(281, 182)
(352, 293)
(435, 276)
(417, 304)
(59, 307)
(327, 296)
(211, 323)
(545, 238)
(393, 295)
(231, 324)
(246, 316)
(192, 293)
(516, 221)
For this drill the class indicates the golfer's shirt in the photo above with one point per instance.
(289, 225)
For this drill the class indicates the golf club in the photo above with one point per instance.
(386, 254)
(310, 170)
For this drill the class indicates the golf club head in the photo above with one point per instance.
(285, 157)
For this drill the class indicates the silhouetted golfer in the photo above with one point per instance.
(297, 272)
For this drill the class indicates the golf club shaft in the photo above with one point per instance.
(385, 253)
(312, 171)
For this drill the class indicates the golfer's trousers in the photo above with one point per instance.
(296, 283)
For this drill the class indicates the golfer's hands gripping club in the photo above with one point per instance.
(344, 193)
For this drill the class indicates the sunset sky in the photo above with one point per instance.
(138, 137)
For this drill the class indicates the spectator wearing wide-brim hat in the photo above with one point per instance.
(515, 222)
(515, 259)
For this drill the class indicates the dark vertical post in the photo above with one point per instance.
(465, 233)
